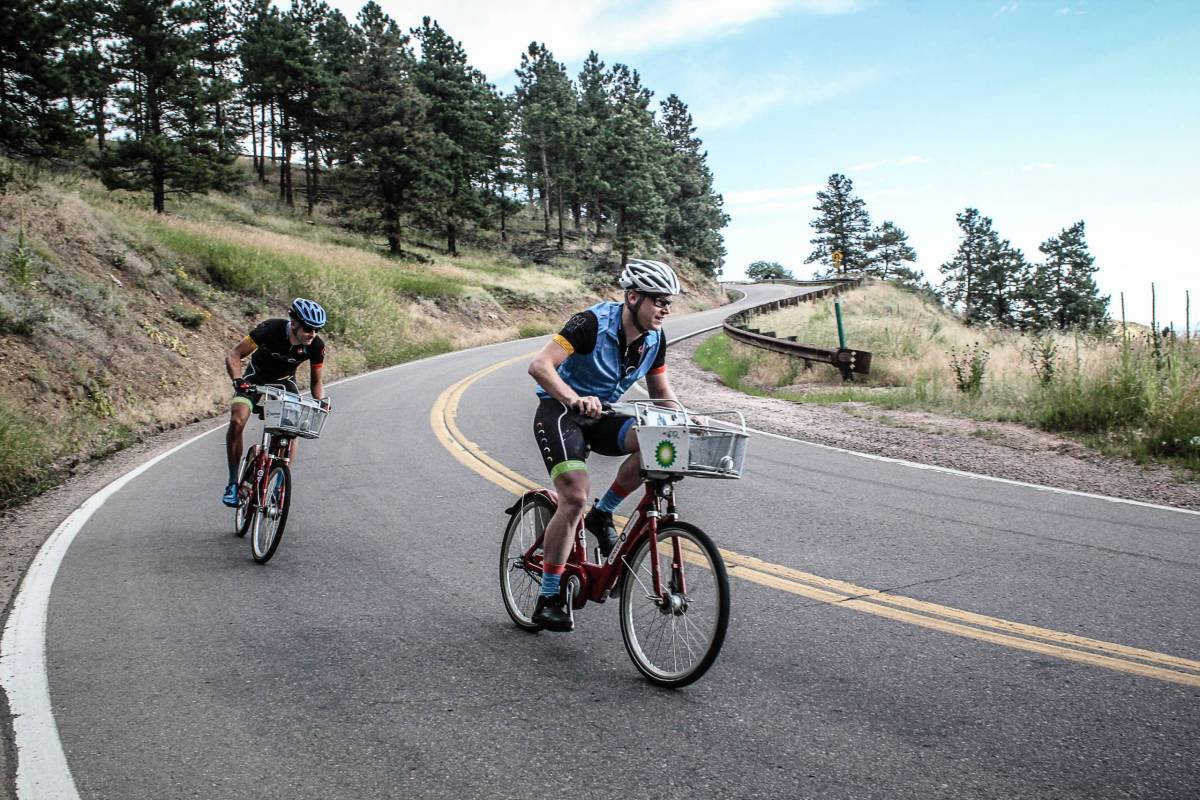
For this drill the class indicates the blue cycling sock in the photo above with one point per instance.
(550, 583)
(612, 498)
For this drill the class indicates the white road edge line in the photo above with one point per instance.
(949, 471)
(42, 770)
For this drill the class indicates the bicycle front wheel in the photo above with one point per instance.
(674, 636)
(521, 582)
(270, 519)
(244, 513)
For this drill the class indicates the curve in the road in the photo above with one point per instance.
(1057, 644)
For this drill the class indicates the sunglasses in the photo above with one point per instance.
(304, 328)
(658, 300)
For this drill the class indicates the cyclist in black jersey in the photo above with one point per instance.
(276, 347)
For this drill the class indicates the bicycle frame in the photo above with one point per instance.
(597, 580)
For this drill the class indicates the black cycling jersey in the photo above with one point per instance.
(276, 358)
(582, 329)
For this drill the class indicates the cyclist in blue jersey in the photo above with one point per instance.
(276, 348)
(596, 357)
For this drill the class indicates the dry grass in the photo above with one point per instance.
(1124, 394)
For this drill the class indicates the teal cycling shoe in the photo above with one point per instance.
(230, 498)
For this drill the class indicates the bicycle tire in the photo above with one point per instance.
(269, 521)
(519, 585)
(673, 643)
(243, 515)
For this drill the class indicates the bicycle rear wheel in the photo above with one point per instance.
(244, 513)
(271, 518)
(520, 582)
(674, 638)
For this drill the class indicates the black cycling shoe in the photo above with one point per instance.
(600, 524)
(553, 614)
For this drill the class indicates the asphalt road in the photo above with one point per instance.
(896, 632)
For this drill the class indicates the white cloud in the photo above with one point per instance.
(495, 37)
(757, 201)
(1007, 8)
(728, 102)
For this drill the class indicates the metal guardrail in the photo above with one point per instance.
(846, 360)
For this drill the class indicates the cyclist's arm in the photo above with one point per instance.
(233, 359)
(544, 370)
(315, 382)
(659, 387)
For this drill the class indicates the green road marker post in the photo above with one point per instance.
(837, 307)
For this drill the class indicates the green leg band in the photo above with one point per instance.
(244, 400)
(567, 466)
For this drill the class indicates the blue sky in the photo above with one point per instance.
(1037, 112)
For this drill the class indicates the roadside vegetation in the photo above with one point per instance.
(114, 320)
(1128, 392)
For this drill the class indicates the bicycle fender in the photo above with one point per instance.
(549, 494)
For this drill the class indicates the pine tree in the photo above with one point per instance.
(767, 270)
(594, 140)
(461, 114)
(843, 226)
(963, 273)
(546, 105)
(87, 64)
(694, 214)
(172, 145)
(637, 166)
(1000, 283)
(36, 118)
(1069, 274)
(388, 124)
(887, 250)
(216, 55)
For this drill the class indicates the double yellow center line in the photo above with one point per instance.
(1030, 638)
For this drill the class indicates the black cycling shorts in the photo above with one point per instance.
(250, 398)
(564, 437)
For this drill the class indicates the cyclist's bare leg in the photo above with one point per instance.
(629, 473)
(238, 414)
(572, 488)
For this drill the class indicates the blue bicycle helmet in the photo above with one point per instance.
(308, 313)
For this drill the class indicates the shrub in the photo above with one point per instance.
(968, 366)
(188, 317)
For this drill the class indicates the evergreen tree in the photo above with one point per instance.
(87, 64)
(171, 145)
(637, 166)
(546, 104)
(1000, 283)
(36, 118)
(388, 123)
(1069, 274)
(887, 250)
(843, 226)
(594, 140)
(767, 270)
(216, 55)
(694, 215)
(466, 130)
(963, 273)
(254, 42)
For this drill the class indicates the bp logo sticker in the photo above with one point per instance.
(664, 454)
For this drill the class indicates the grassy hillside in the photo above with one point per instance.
(1121, 394)
(114, 321)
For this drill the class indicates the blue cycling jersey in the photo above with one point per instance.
(601, 372)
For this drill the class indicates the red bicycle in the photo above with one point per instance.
(265, 484)
(668, 574)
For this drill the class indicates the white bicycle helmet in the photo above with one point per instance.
(649, 277)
